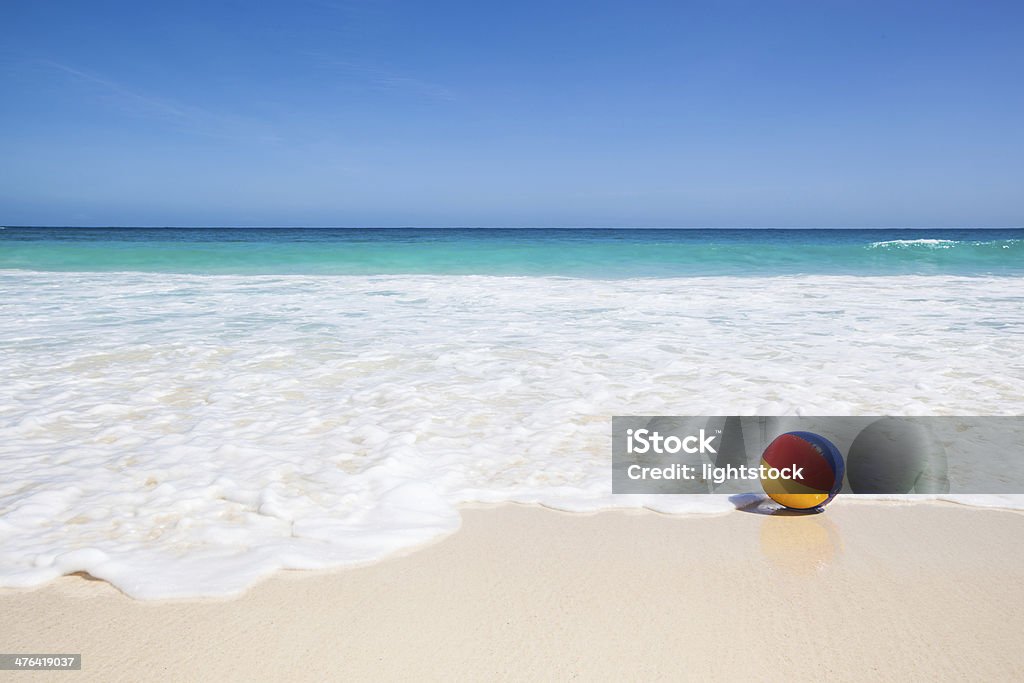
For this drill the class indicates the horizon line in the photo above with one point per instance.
(507, 227)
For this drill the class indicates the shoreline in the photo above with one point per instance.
(528, 591)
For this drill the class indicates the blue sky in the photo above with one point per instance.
(333, 112)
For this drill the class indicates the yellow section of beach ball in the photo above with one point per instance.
(793, 494)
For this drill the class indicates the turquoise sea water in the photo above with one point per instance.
(590, 253)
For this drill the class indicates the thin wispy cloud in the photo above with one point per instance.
(183, 116)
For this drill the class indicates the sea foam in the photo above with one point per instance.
(933, 243)
(187, 435)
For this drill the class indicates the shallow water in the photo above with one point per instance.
(183, 435)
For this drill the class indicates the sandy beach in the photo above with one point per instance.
(863, 591)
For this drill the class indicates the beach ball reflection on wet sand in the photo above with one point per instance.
(822, 470)
(800, 547)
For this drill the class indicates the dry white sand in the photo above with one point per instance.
(862, 592)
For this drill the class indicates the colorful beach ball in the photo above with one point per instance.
(819, 462)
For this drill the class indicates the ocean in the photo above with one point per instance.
(186, 411)
(581, 253)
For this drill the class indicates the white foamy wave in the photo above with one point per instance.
(186, 435)
(902, 244)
